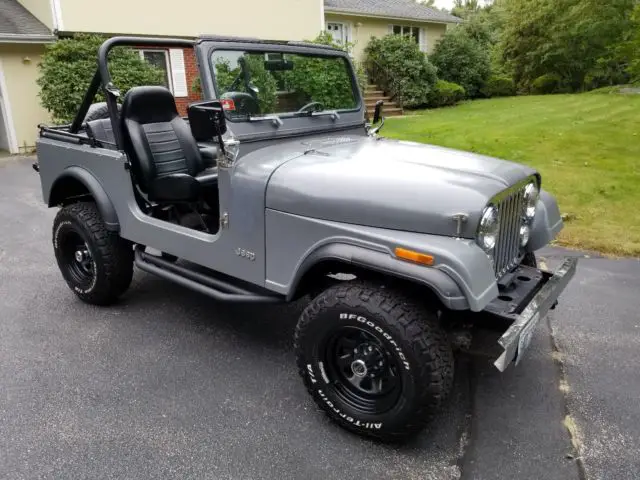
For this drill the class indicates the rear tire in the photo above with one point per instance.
(96, 263)
(374, 359)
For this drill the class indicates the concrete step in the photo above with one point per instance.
(374, 92)
(372, 103)
(375, 98)
(389, 112)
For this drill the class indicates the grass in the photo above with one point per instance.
(587, 148)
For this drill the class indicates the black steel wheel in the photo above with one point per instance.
(364, 373)
(374, 359)
(96, 263)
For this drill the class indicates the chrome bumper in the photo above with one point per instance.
(517, 338)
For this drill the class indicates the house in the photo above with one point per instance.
(356, 21)
(26, 26)
(22, 40)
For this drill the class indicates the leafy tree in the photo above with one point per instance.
(568, 38)
(465, 8)
(260, 78)
(396, 64)
(68, 66)
(462, 58)
(323, 80)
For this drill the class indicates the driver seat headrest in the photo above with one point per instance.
(149, 104)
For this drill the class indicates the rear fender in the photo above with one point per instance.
(76, 182)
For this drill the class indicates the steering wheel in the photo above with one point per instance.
(309, 106)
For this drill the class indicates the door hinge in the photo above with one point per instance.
(224, 220)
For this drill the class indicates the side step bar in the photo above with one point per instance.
(215, 288)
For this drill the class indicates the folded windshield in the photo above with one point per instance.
(253, 84)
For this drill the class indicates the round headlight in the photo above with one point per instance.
(531, 194)
(489, 227)
(525, 233)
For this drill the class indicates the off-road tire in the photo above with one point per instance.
(406, 328)
(110, 255)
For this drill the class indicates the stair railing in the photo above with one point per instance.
(382, 77)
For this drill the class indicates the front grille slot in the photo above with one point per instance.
(507, 250)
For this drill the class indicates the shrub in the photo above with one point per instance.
(260, 77)
(499, 86)
(396, 64)
(324, 80)
(545, 84)
(445, 93)
(464, 60)
(69, 65)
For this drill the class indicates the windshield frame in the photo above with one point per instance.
(293, 49)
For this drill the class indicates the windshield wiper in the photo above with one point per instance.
(333, 113)
(275, 119)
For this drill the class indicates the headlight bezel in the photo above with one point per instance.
(489, 228)
(531, 197)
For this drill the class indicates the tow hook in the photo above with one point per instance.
(36, 167)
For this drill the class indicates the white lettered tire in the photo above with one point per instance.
(374, 359)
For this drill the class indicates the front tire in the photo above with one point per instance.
(96, 263)
(375, 360)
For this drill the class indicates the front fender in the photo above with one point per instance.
(63, 188)
(437, 281)
(462, 275)
(547, 223)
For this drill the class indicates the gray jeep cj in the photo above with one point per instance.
(274, 188)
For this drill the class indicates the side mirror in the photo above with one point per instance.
(377, 114)
(207, 120)
(378, 120)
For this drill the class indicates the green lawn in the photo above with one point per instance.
(587, 148)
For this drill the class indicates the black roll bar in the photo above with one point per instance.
(102, 78)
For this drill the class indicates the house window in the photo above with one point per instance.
(416, 33)
(160, 59)
(338, 32)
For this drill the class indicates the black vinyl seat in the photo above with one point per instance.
(164, 156)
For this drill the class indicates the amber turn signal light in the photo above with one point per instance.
(415, 257)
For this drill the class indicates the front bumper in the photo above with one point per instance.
(535, 307)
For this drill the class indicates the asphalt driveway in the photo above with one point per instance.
(170, 384)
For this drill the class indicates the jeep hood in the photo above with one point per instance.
(390, 184)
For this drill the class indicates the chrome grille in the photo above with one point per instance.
(507, 250)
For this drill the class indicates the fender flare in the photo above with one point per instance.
(547, 222)
(439, 282)
(105, 207)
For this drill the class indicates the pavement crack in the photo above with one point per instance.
(569, 422)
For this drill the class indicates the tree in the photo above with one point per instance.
(396, 64)
(561, 37)
(68, 66)
(463, 56)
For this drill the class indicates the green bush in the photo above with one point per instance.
(68, 66)
(464, 60)
(499, 86)
(260, 77)
(546, 84)
(445, 94)
(324, 80)
(396, 64)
